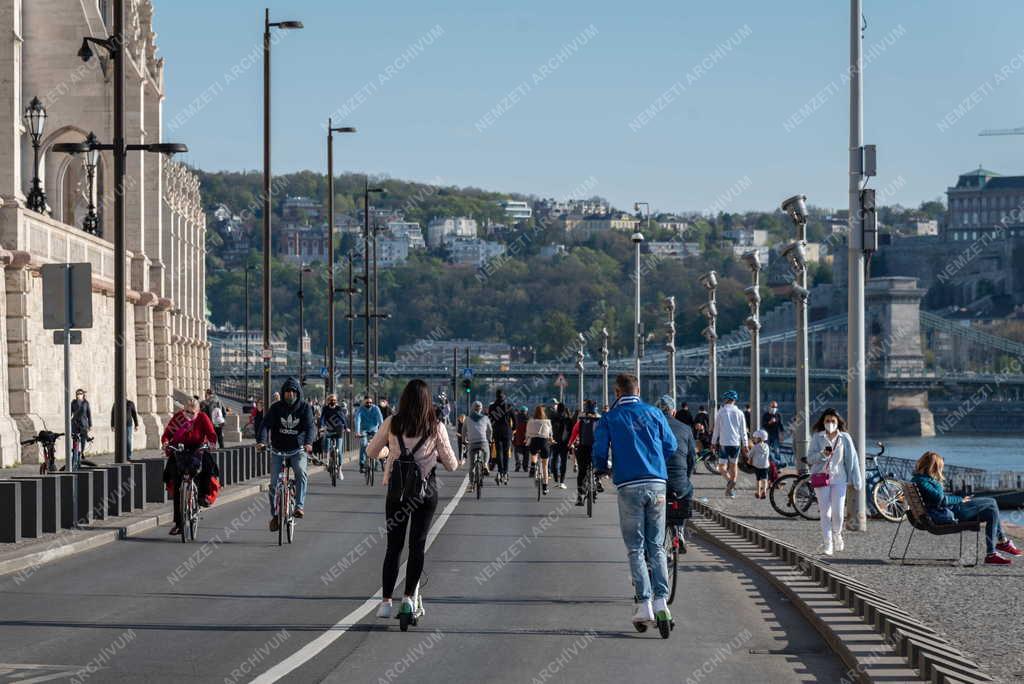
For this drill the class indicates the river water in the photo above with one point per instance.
(989, 452)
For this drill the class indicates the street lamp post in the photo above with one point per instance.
(267, 25)
(91, 223)
(331, 130)
(795, 253)
(35, 122)
(245, 298)
(366, 278)
(670, 346)
(753, 323)
(581, 354)
(302, 327)
(604, 368)
(638, 330)
(351, 317)
(710, 310)
(114, 46)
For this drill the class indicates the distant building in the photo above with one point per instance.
(746, 237)
(583, 228)
(440, 352)
(674, 223)
(472, 251)
(409, 230)
(392, 251)
(441, 228)
(929, 227)
(302, 210)
(517, 210)
(301, 244)
(551, 251)
(667, 249)
(981, 201)
(227, 349)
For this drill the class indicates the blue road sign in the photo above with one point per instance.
(467, 373)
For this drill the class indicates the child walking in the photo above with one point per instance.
(760, 456)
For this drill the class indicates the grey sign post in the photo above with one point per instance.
(67, 305)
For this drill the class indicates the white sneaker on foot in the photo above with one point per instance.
(826, 548)
(561, 485)
(839, 543)
(661, 609)
(644, 613)
(384, 609)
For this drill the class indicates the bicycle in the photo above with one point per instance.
(333, 462)
(285, 496)
(885, 491)
(591, 492)
(78, 453)
(709, 459)
(187, 493)
(48, 441)
(476, 470)
(779, 494)
(538, 479)
(675, 541)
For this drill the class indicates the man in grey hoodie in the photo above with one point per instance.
(478, 432)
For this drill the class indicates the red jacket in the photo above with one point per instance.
(198, 433)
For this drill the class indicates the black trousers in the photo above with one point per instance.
(559, 460)
(219, 429)
(522, 453)
(583, 465)
(501, 449)
(415, 516)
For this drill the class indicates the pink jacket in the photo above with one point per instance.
(436, 449)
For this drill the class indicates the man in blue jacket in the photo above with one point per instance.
(642, 442)
(368, 421)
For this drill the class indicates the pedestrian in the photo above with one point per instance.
(81, 424)
(832, 458)
(746, 417)
(639, 436)
(771, 422)
(503, 424)
(385, 407)
(256, 417)
(561, 427)
(684, 416)
(760, 459)
(702, 427)
(416, 443)
(730, 438)
(522, 453)
(945, 508)
(131, 423)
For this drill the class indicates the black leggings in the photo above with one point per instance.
(583, 466)
(417, 516)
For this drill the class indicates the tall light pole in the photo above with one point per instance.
(366, 278)
(331, 130)
(863, 239)
(114, 46)
(581, 354)
(604, 368)
(710, 310)
(302, 327)
(795, 252)
(35, 122)
(638, 330)
(267, 353)
(670, 346)
(245, 297)
(753, 323)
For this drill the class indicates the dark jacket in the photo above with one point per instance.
(81, 415)
(933, 494)
(772, 424)
(502, 420)
(332, 420)
(561, 426)
(704, 419)
(682, 462)
(131, 415)
(289, 427)
(684, 416)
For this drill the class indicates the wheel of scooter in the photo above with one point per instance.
(404, 619)
(640, 627)
(665, 628)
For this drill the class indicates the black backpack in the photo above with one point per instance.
(586, 435)
(406, 484)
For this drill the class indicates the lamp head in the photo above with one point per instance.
(289, 24)
(637, 238)
(709, 334)
(85, 52)
(35, 118)
(71, 148)
(167, 148)
(796, 208)
(753, 325)
(670, 304)
(709, 280)
(709, 309)
(796, 254)
(753, 261)
(753, 295)
(796, 292)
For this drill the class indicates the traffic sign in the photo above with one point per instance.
(561, 382)
(76, 337)
(268, 354)
(467, 373)
(324, 373)
(67, 296)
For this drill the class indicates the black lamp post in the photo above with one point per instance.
(245, 298)
(91, 224)
(302, 327)
(35, 121)
(331, 130)
(267, 25)
(366, 278)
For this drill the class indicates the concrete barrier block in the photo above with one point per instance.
(98, 498)
(138, 471)
(155, 490)
(10, 511)
(49, 495)
(114, 490)
(31, 508)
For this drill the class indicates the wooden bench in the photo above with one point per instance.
(918, 519)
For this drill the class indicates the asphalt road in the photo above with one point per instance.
(516, 591)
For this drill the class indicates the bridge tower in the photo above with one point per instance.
(897, 380)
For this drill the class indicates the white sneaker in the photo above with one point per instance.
(644, 613)
(826, 548)
(384, 609)
(839, 543)
(661, 609)
(561, 485)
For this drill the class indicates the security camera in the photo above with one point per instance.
(753, 295)
(709, 309)
(709, 334)
(753, 325)
(796, 254)
(753, 260)
(796, 292)
(709, 280)
(796, 207)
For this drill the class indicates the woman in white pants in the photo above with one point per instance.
(833, 463)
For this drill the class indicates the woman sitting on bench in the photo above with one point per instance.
(948, 508)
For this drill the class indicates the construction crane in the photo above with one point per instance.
(1003, 131)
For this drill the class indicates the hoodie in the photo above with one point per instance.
(291, 426)
(478, 429)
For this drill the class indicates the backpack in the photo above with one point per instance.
(407, 484)
(586, 435)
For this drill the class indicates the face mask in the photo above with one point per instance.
(290, 399)
(831, 426)
(773, 410)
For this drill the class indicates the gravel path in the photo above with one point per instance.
(981, 609)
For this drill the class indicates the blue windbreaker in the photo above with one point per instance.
(639, 436)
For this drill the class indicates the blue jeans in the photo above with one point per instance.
(298, 461)
(642, 519)
(363, 442)
(332, 442)
(128, 441)
(983, 508)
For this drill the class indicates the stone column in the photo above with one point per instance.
(10, 436)
(18, 286)
(145, 368)
(11, 187)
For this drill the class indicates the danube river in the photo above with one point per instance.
(989, 452)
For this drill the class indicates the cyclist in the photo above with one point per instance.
(680, 466)
(368, 420)
(502, 423)
(479, 433)
(730, 434)
(538, 436)
(333, 423)
(191, 428)
(643, 444)
(415, 430)
(290, 429)
(582, 441)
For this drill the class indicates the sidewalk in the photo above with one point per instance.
(979, 609)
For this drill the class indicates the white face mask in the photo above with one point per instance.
(831, 426)
(773, 410)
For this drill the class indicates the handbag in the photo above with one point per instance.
(820, 480)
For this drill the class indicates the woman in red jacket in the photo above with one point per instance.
(192, 428)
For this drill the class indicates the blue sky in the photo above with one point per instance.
(725, 120)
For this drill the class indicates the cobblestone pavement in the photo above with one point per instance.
(981, 609)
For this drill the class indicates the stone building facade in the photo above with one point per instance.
(165, 231)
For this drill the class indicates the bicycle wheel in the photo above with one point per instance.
(591, 487)
(710, 461)
(539, 482)
(182, 495)
(282, 508)
(671, 558)
(478, 469)
(778, 495)
(293, 497)
(333, 467)
(193, 521)
(805, 501)
(887, 495)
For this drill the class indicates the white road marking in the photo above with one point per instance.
(315, 647)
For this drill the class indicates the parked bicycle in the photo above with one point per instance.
(47, 440)
(885, 492)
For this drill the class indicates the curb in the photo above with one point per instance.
(102, 533)
(817, 591)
